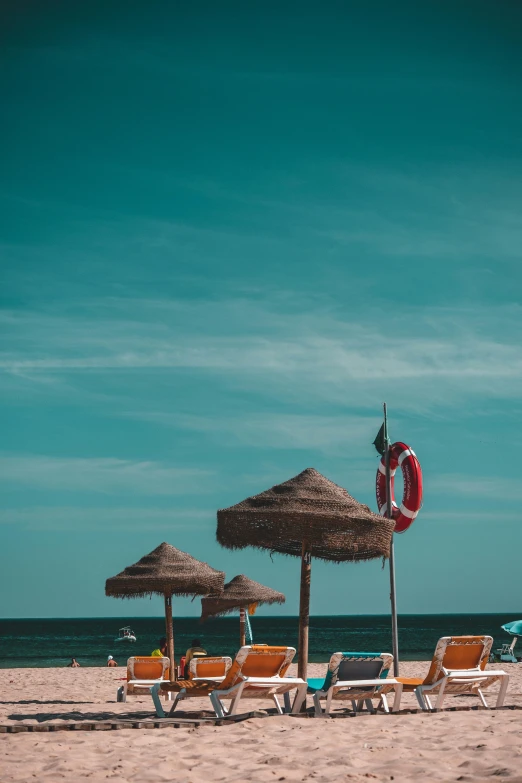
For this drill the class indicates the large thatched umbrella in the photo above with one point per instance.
(166, 571)
(240, 593)
(306, 516)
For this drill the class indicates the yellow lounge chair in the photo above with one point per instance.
(142, 672)
(209, 668)
(257, 673)
(458, 667)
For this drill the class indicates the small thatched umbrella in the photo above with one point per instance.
(240, 593)
(166, 571)
(307, 516)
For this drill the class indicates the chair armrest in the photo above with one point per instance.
(364, 683)
(207, 679)
(476, 673)
(274, 680)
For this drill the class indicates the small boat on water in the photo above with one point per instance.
(126, 635)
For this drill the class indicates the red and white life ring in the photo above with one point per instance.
(401, 456)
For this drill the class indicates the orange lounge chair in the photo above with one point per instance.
(458, 667)
(142, 672)
(258, 672)
(209, 668)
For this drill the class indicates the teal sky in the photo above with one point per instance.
(228, 232)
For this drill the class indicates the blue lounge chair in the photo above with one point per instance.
(357, 677)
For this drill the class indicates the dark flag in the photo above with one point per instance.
(379, 442)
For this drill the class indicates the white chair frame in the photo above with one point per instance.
(133, 684)
(357, 703)
(462, 677)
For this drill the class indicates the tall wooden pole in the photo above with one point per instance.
(304, 610)
(170, 636)
(393, 596)
(242, 637)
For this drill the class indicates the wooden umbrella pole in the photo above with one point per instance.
(170, 636)
(304, 610)
(242, 636)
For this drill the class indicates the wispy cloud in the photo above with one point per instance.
(499, 488)
(365, 355)
(327, 434)
(432, 355)
(468, 517)
(103, 475)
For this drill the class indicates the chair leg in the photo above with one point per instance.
(300, 699)
(179, 697)
(502, 692)
(317, 705)
(224, 710)
(482, 698)
(237, 698)
(288, 703)
(369, 706)
(384, 702)
(154, 692)
(217, 705)
(329, 699)
(442, 694)
(278, 706)
(421, 698)
(397, 699)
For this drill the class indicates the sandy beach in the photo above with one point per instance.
(462, 744)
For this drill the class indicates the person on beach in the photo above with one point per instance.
(74, 664)
(194, 651)
(161, 650)
(111, 661)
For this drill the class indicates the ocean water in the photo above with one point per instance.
(42, 643)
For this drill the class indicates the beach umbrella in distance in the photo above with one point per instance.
(166, 571)
(514, 628)
(307, 516)
(240, 593)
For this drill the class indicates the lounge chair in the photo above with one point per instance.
(506, 653)
(357, 677)
(209, 668)
(458, 667)
(258, 672)
(142, 672)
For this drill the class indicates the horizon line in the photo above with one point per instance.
(268, 616)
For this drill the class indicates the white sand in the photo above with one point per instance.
(463, 745)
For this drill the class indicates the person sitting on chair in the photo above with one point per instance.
(194, 651)
(161, 650)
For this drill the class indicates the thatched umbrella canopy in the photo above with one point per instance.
(240, 593)
(308, 516)
(166, 571)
